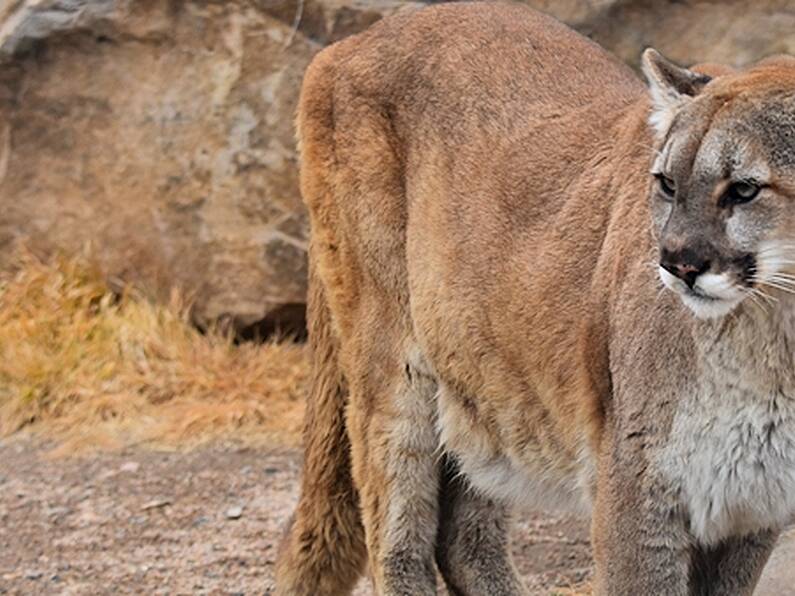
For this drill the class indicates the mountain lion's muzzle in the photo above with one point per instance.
(710, 281)
(686, 264)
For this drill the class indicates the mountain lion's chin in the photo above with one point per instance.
(707, 307)
(712, 296)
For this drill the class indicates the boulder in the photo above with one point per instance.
(733, 32)
(157, 135)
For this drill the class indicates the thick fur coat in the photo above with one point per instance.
(536, 280)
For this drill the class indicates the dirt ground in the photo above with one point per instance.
(204, 522)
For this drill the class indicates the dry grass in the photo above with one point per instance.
(93, 369)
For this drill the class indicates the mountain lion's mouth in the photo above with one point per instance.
(726, 295)
(697, 294)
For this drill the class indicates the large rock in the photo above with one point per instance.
(735, 32)
(158, 133)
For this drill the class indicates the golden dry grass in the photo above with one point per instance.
(93, 369)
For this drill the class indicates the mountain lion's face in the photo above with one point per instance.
(723, 184)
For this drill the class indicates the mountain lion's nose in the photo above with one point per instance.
(684, 264)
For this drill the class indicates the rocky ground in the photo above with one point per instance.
(203, 522)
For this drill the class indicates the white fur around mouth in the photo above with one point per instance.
(712, 296)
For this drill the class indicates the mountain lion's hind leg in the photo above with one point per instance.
(473, 544)
(393, 432)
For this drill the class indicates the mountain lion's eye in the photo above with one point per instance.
(741, 192)
(667, 185)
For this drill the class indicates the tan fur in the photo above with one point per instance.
(485, 234)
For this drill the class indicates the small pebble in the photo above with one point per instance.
(156, 504)
(234, 512)
(130, 466)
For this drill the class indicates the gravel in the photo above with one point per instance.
(200, 522)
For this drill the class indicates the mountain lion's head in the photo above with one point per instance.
(723, 182)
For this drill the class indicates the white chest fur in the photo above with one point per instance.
(731, 452)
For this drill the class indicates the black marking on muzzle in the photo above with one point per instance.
(747, 266)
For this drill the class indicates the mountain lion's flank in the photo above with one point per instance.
(536, 280)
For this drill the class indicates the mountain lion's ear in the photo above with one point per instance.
(670, 86)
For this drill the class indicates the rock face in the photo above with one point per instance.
(734, 32)
(158, 133)
(161, 134)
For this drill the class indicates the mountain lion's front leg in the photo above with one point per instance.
(733, 567)
(640, 545)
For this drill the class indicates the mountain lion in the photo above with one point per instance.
(536, 281)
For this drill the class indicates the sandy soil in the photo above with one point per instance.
(203, 522)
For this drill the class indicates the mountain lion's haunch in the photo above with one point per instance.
(536, 281)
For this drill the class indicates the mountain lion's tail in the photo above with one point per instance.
(323, 550)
